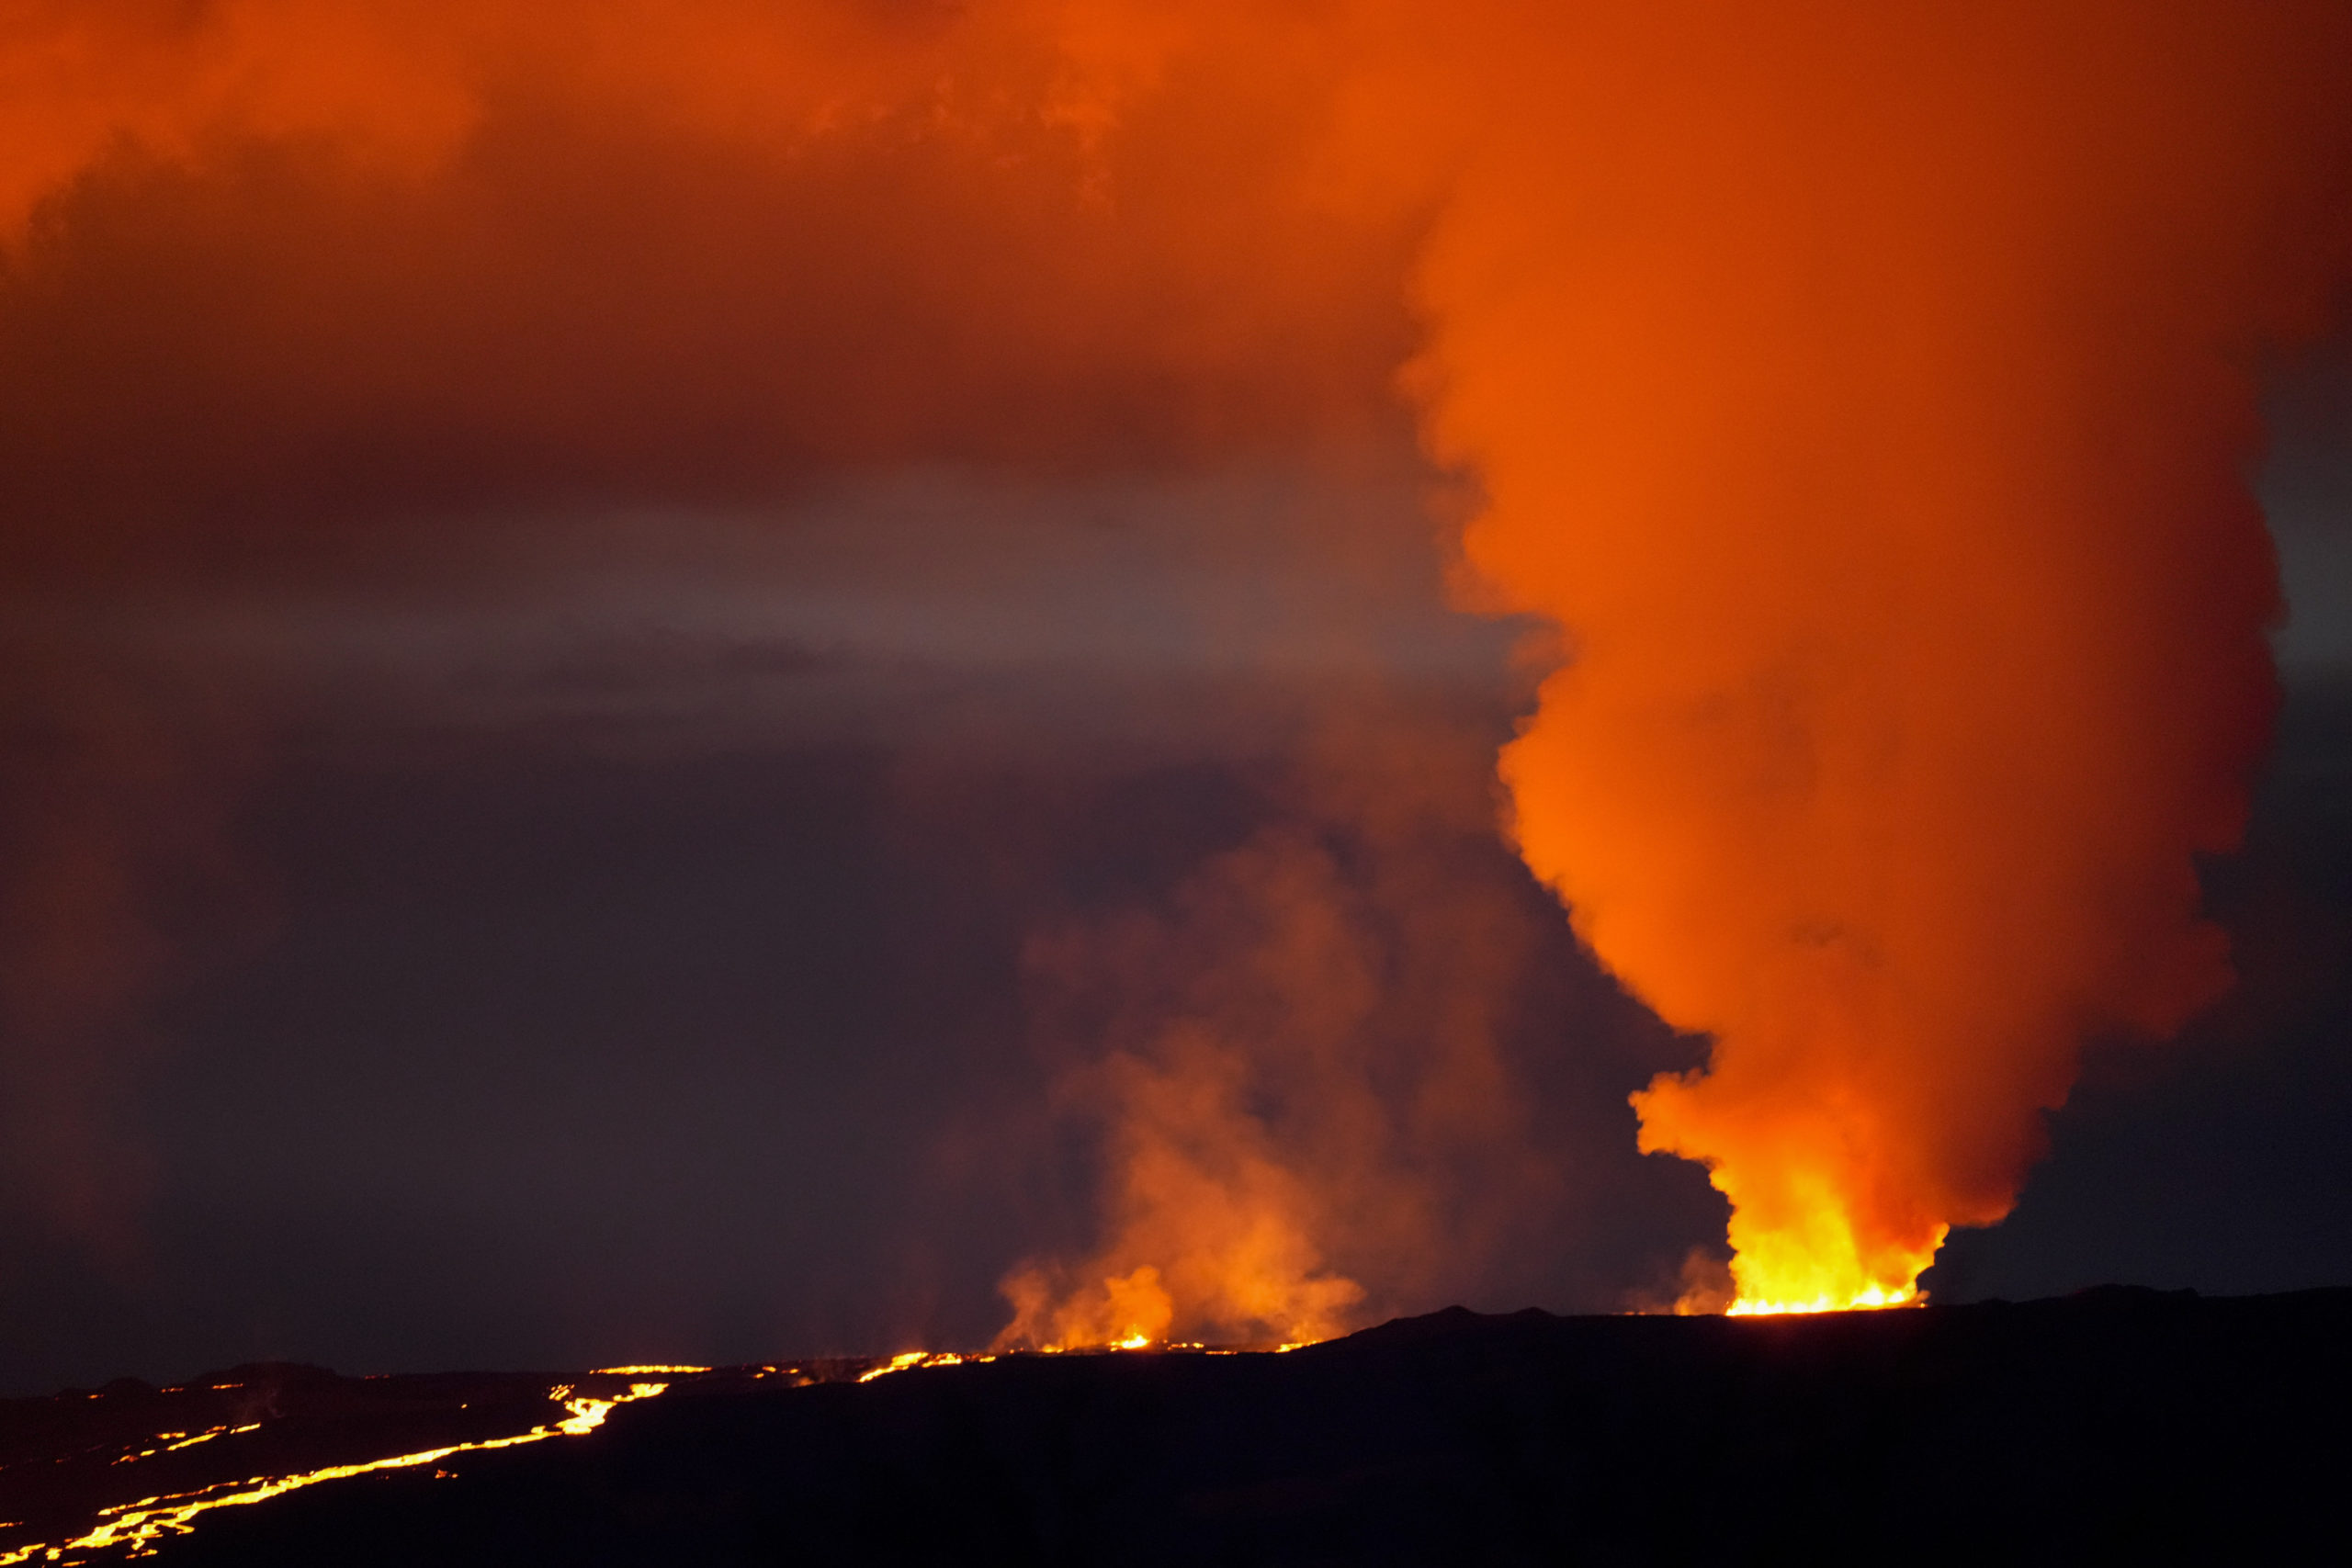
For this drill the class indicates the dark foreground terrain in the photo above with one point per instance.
(2165, 1427)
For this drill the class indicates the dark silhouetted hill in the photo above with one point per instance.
(2111, 1425)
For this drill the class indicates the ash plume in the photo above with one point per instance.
(1868, 394)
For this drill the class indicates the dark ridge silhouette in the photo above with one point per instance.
(2116, 1421)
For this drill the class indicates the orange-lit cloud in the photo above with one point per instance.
(1868, 393)
(277, 273)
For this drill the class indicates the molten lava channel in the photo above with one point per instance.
(141, 1524)
(1868, 1300)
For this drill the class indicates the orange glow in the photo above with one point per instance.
(1860, 390)
(1215, 1225)
(140, 1525)
(186, 1441)
(916, 1361)
(1294, 1063)
(907, 1360)
(1866, 1300)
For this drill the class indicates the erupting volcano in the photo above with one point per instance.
(1033, 677)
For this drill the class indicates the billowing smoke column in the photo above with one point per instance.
(1867, 394)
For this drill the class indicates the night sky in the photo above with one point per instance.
(594, 718)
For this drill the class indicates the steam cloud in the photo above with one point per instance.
(1864, 394)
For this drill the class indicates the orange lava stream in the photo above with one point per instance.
(141, 1524)
(914, 1360)
(1862, 1301)
(186, 1441)
(907, 1361)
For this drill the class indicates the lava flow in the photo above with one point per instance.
(1869, 1298)
(139, 1525)
(67, 1488)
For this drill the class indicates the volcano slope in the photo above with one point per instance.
(2070, 1430)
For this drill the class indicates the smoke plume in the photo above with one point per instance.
(1294, 1066)
(1868, 394)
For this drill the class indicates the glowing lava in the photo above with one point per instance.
(1814, 1265)
(907, 1361)
(141, 1524)
(1865, 1300)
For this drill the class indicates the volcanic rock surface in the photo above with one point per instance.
(2116, 1421)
